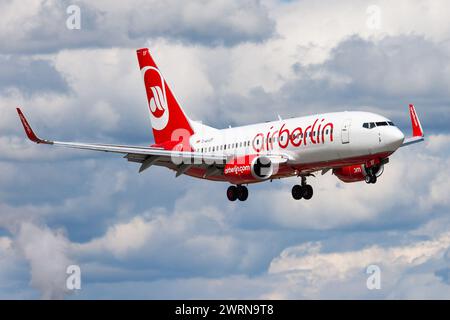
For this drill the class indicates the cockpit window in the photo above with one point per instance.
(369, 125)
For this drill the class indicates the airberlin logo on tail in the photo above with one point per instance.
(157, 99)
(158, 103)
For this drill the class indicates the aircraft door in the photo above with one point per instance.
(345, 133)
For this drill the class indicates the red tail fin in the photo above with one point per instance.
(169, 122)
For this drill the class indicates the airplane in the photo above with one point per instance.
(355, 146)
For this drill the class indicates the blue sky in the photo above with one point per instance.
(229, 62)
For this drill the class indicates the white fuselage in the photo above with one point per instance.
(306, 140)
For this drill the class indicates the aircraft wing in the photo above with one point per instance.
(412, 140)
(148, 156)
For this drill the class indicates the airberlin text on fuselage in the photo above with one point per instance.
(297, 137)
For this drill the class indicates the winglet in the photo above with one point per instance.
(418, 134)
(416, 126)
(30, 133)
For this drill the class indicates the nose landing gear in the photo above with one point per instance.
(304, 191)
(371, 179)
(372, 175)
(237, 192)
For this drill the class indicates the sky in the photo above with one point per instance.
(229, 62)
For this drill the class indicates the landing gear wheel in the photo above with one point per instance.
(232, 193)
(242, 193)
(371, 179)
(297, 192)
(308, 192)
(374, 179)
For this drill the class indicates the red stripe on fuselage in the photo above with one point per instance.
(293, 170)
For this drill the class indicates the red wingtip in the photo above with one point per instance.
(416, 126)
(26, 126)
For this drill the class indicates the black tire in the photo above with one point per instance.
(368, 179)
(242, 193)
(297, 192)
(308, 193)
(374, 179)
(232, 193)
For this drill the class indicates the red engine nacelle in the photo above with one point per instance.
(356, 173)
(248, 168)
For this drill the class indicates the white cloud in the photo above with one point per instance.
(160, 236)
(123, 239)
(41, 26)
(338, 265)
(306, 269)
(5, 244)
(47, 253)
(438, 144)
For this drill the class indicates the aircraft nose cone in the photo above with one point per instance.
(394, 138)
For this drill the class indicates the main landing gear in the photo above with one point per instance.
(304, 191)
(237, 192)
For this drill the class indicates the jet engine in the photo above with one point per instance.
(358, 173)
(249, 168)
